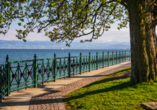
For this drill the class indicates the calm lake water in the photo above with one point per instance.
(28, 54)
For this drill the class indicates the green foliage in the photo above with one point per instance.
(63, 20)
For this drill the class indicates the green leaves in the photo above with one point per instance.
(63, 20)
(119, 0)
(19, 24)
(22, 20)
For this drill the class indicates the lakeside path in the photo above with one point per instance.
(49, 95)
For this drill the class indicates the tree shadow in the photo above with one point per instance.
(124, 75)
(113, 88)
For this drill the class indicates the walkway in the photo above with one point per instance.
(49, 95)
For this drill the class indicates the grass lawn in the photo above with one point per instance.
(109, 93)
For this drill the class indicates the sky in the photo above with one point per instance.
(112, 36)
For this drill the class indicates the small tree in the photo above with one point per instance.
(70, 19)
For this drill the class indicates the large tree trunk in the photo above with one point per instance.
(155, 40)
(154, 29)
(142, 42)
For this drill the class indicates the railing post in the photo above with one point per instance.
(54, 68)
(125, 55)
(116, 57)
(108, 59)
(8, 75)
(119, 57)
(129, 56)
(80, 63)
(69, 66)
(96, 60)
(35, 71)
(112, 58)
(89, 62)
(122, 57)
(103, 59)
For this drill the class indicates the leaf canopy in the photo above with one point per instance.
(63, 20)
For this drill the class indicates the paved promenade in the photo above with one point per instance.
(49, 95)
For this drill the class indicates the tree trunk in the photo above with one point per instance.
(142, 42)
(154, 30)
(155, 41)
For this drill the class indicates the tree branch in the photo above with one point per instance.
(58, 16)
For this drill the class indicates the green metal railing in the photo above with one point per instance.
(17, 75)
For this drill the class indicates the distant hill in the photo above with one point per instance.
(4, 44)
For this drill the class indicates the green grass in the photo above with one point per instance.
(111, 94)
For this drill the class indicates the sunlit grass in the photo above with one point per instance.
(111, 94)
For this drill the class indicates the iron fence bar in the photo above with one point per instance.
(108, 60)
(8, 75)
(116, 57)
(125, 55)
(112, 58)
(69, 66)
(89, 62)
(96, 60)
(18, 77)
(92, 62)
(35, 82)
(48, 74)
(73, 66)
(80, 63)
(64, 67)
(86, 63)
(26, 75)
(102, 59)
(54, 68)
(122, 57)
(119, 57)
(129, 56)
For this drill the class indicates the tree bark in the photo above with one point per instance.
(142, 43)
(154, 30)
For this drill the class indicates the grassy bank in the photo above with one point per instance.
(112, 93)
